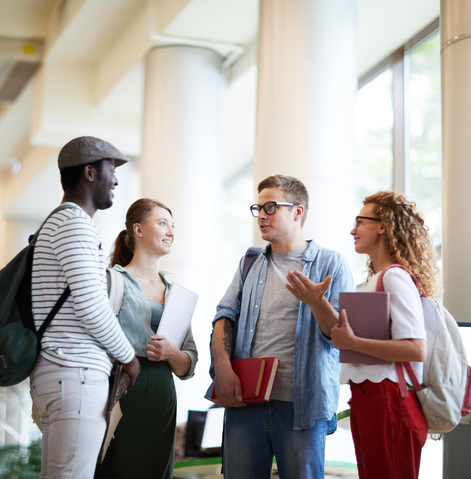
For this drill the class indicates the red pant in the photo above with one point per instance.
(388, 431)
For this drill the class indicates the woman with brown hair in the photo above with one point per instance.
(388, 430)
(144, 439)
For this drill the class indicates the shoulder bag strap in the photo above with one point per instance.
(401, 365)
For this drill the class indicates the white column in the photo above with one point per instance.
(455, 34)
(305, 117)
(455, 25)
(180, 166)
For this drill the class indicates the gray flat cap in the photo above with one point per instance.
(87, 149)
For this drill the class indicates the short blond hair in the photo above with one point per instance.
(294, 189)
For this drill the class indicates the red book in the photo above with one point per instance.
(257, 376)
(250, 372)
(269, 375)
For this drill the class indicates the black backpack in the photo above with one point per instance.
(20, 343)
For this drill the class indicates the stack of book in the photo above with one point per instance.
(257, 377)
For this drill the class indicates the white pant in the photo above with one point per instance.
(70, 403)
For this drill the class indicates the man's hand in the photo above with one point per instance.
(133, 369)
(226, 382)
(304, 289)
(227, 388)
(312, 294)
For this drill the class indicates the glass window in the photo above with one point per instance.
(374, 136)
(374, 146)
(420, 103)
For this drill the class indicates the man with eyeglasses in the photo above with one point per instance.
(265, 316)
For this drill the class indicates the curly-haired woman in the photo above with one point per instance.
(388, 430)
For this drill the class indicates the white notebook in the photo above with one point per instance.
(213, 428)
(176, 318)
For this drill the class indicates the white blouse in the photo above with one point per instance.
(407, 322)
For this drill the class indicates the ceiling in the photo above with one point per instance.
(86, 31)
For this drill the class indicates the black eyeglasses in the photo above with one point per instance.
(269, 207)
(356, 223)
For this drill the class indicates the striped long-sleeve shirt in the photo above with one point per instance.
(85, 332)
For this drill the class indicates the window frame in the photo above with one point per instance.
(398, 62)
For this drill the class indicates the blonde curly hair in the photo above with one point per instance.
(407, 239)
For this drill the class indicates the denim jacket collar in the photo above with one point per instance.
(309, 254)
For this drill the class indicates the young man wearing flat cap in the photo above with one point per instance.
(69, 383)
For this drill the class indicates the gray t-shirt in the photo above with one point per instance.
(276, 324)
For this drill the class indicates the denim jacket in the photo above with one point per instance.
(135, 318)
(316, 384)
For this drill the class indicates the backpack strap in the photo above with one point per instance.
(65, 294)
(115, 289)
(63, 206)
(402, 380)
(379, 284)
(250, 257)
(401, 365)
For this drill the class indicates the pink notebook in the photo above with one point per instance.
(368, 315)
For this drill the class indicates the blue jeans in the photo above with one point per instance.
(70, 404)
(255, 433)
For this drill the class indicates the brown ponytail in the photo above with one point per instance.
(122, 253)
